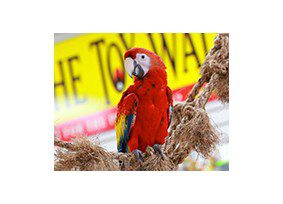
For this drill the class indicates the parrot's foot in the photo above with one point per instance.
(138, 155)
(121, 165)
(157, 148)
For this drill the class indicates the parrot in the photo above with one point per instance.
(144, 111)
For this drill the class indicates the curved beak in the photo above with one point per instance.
(138, 71)
(133, 68)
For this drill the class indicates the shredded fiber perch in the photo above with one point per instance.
(190, 130)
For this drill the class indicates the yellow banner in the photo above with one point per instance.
(90, 76)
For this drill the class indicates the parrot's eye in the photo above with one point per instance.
(142, 56)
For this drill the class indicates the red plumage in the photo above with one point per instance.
(152, 98)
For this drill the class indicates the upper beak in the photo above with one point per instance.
(133, 68)
(138, 71)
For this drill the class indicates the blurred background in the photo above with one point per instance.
(89, 78)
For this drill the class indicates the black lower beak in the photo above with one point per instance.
(138, 71)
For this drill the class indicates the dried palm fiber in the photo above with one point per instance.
(190, 127)
(217, 61)
(151, 162)
(83, 155)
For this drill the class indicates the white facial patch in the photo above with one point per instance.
(144, 61)
(129, 65)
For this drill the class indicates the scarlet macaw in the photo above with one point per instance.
(145, 109)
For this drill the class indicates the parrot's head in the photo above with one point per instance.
(139, 61)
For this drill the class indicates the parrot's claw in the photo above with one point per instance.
(121, 165)
(157, 148)
(138, 155)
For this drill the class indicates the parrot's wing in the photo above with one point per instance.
(170, 103)
(125, 120)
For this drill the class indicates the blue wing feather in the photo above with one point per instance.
(125, 137)
(170, 115)
(125, 122)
